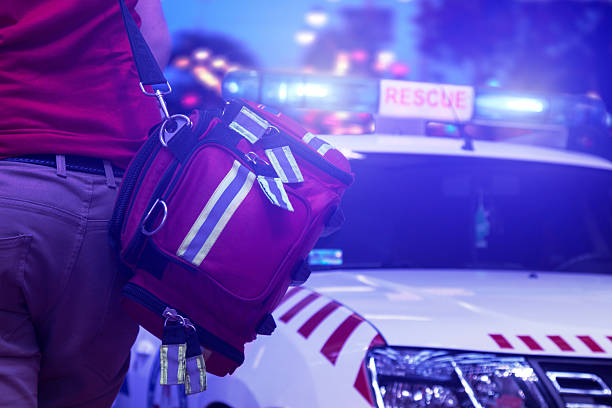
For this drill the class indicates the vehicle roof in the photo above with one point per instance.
(422, 145)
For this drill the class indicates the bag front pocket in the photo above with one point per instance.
(221, 221)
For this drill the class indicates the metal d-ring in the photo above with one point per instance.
(271, 127)
(177, 118)
(161, 224)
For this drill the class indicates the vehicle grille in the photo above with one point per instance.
(577, 383)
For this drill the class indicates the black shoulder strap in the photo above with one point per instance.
(148, 69)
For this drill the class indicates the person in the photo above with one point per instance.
(71, 117)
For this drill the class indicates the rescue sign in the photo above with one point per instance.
(426, 100)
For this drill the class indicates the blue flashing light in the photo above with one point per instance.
(232, 87)
(302, 91)
(241, 84)
(502, 103)
(287, 91)
(450, 129)
(325, 257)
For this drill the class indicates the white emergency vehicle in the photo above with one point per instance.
(471, 272)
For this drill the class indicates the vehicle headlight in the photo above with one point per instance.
(431, 378)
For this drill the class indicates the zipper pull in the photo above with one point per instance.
(173, 349)
(195, 369)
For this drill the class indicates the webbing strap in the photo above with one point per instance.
(148, 69)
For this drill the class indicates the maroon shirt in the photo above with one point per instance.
(68, 84)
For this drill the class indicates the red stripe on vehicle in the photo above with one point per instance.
(299, 306)
(591, 344)
(501, 341)
(332, 347)
(531, 343)
(378, 341)
(316, 319)
(362, 386)
(290, 293)
(361, 382)
(562, 344)
(610, 338)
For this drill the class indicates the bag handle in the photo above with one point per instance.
(152, 80)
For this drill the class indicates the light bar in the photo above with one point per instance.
(296, 91)
(502, 103)
(412, 99)
(563, 110)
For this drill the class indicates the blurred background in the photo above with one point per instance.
(522, 45)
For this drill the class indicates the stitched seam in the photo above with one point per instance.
(55, 209)
(24, 249)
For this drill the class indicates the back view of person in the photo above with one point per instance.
(71, 117)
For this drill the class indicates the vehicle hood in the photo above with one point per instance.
(501, 311)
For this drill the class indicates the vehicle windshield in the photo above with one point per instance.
(406, 211)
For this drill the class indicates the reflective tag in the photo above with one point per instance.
(172, 361)
(172, 354)
(195, 376)
(195, 368)
(249, 125)
(283, 161)
(318, 144)
(275, 191)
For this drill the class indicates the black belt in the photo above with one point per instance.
(83, 164)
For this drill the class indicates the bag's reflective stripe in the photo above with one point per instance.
(172, 363)
(308, 137)
(249, 125)
(324, 149)
(275, 191)
(195, 375)
(218, 210)
(319, 145)
(285, 165)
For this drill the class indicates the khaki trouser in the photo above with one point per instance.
(64, 340)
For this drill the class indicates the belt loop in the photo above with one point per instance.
(60, 164)
(110, 176)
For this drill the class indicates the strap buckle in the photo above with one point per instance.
(158, 91)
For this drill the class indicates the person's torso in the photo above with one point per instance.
(68, 83)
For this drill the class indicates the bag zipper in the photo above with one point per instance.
(127, 186)
(150, 149)
(157, 306)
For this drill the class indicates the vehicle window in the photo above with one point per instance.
(450, 212)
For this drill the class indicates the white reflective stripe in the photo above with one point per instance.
(274, 162)
(324, 149)
(252, 134)
(224, 219)
(288, 158)
(293, 163)
(308, 137)
(280, 186)
(281, 201)
(260, 121)
(209, 206)
(263, 183)
(245, 133)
